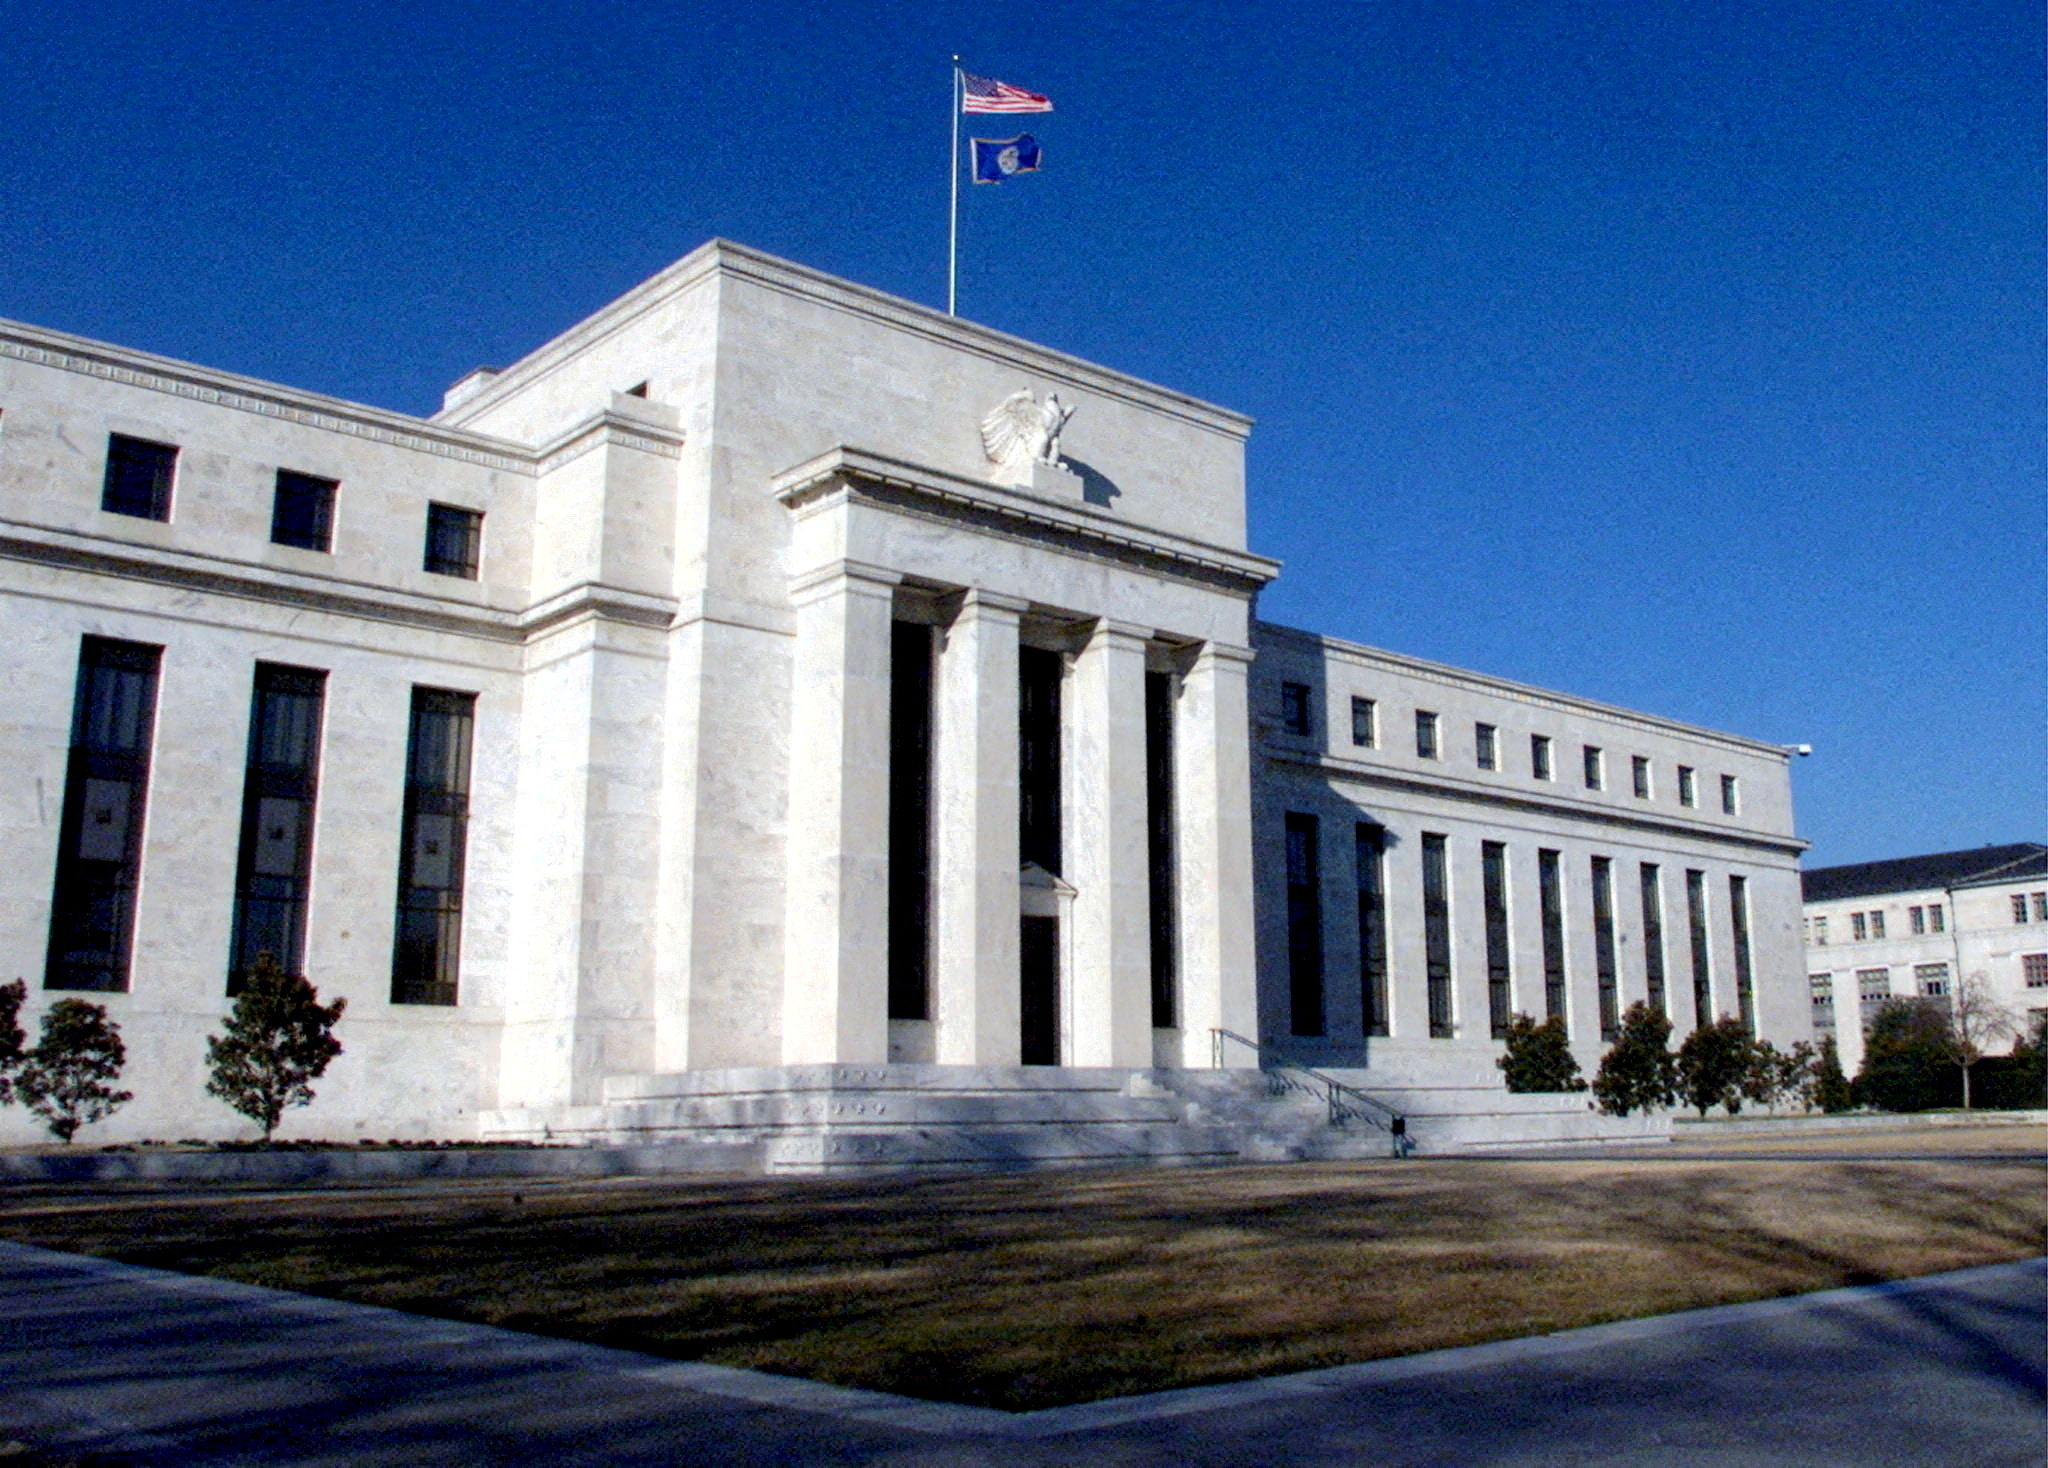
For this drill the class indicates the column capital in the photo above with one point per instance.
(985, 603)
(1224, 652)
(1108, 629)
(843, 577)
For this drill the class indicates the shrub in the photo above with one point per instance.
(12, 997)
(64, 1078)
(1712, 1064)
(1830, 1086)
(1906, 1064)
(1638, 1072)
(1773, 1075)
(1539, 1057)
(279, 1041)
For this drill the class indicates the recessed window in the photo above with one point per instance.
(2019, 907)
(1364, 723)
(139, 475)
(1936, 921)
(1931, 979)
(2041, 907)
(1486, 742)
(2034, 967)
(279, 790)
(1596, 768)
(455, 539)
(1820, 932)
(1294, 711)
(1731, 796)
(1539, 756)
(1688, 787)
(433, 847)
(1823, 990)
(1425, 734)
(1640, 766)
(302, 513)
(1877, 925)
(1916, 917)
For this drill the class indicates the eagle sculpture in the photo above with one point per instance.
(1023, 430)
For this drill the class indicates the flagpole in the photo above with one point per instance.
(953, 229)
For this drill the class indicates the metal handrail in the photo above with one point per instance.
(1345, 1102)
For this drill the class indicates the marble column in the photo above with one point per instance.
(1109, 991)
(835, 999)
(975, 896)
(1212, 799)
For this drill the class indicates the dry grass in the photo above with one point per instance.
(1030, 1291)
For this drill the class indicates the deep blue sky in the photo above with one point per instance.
(1686, 356)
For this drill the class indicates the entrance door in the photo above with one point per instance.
(1039, 967)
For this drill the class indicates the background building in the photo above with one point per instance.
(712, 690)
(1915, 926)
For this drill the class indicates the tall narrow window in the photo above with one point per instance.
(1822, 988)
(1877, 925)
(1295, 717)
(910, 820)
(1039, 671)
(1653, 937)
(1550, 899)
(1820, 932)
(1916, 918)
(1603, 948)
(1159, 843)
(1493, 869)
(427, 954)
(1486, 746)
(1436, 934)
(1364, 723)
(138, 478)
(279, 786)
(1702, 972)
(455, 541)
(1873, 992)
(1596, 767)
(1738, 927)
(1425, 734)
(1372, 928)
(302, 511)
(1539, 756)
(99, 842)
(1936, 922)
(1731, 795)
(1859, 927)
(1639, 765)
(1304, 927)
(1688, 791)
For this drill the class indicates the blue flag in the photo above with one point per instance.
(995, 159)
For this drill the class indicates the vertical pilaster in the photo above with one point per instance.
(1212, 773)
(975, 904)
(1111, 983)
(835, 974)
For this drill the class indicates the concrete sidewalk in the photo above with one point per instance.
(138, 1366)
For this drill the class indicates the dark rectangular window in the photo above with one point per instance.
(455, 541)
(1653, 936)
(1295, 716)
(1486, 745)
(1738, 925)
(1493, 868)
(1696, 923)
(139, 475)
(1688, 792)
(1550, 901)
(273, 873)
(1596, 768)
(1731, 796)
(433, 840)
(910, 820)
(1603, 948)
(1372, 927)
(1640, 764)
(1159, 823)
(1822, 989)
(1425, 734)
(1539, 756)
(1364, 731)
(302, 511)
(99, 841)
(1039, 671)
(1304, 927)
(1436, 934)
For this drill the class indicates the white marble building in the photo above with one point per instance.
(706, 691)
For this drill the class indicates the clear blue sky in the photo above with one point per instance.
(1686, 356)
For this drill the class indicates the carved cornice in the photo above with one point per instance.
(246, 395)
(1349, 773)
(609, 430)
(843, 473)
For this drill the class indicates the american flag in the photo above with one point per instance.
(986, 94)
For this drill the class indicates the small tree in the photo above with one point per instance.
(1830, 1085)
(1638, 1072)
(1906, 1065)
(12, 996)
(1539, 1057)
(1712, 1064)
(279, 1041)
(1975, 1020)
(64, 1078)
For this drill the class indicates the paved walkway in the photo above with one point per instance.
(144, 1367)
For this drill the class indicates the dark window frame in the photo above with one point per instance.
(1652, 882)
(302, 511)
(1702, 956)
(426, 950)
(1486, 746)
(1364, 723)
(455, 541)
(1738, 931)
(1428, 744)
(1370, 851)
(1493, 870)
(141, 477)
(1550, 905)
(1161, 857)
(1296, 713)
(1606, 977)
(280, 783)
(1540, 766)
(1303, 862)
(911, 688)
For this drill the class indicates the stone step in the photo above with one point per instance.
(995, 1148)
(888, 1109)
(797, 1079)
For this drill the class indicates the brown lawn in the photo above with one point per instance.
(1049, 1288)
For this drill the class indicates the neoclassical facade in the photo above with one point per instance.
(722, 685)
